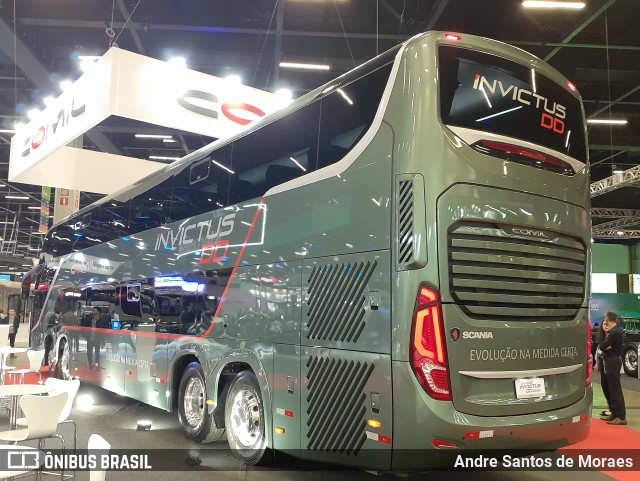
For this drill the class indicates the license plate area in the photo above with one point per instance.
(530, 387)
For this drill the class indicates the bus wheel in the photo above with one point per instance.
(630, 360)
(244, 420)
(197, 423)
(64, 371)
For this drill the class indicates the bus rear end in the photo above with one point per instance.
(490, 308)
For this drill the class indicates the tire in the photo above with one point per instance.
(630, 360)
(244, 420)
(49, 358)
(197, 423)
(63, 370)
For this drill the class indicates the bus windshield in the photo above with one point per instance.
(489, 93)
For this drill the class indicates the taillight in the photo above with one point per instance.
(452, 36)
(515, 153)
(587, 381)
(428, 349)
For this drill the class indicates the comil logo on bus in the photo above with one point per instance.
(209, 232)
(53, 125)
(552, 114)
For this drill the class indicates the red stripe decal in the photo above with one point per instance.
(233, 272)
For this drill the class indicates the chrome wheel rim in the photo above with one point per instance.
(194, 402)
(246, 418)
(64, 362)
(631, 360)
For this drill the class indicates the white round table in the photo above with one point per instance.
(15, 391)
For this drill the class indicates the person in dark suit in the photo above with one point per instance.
(14, 324)
(611, 349)
(96, 321)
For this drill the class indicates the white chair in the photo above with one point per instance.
(35, 363)
(4, 335)
(42, 414)
(71, 388)
(98, 443)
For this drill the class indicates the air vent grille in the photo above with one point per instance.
(336, 301)
(336, 404)
(495, 273)
(405, 222)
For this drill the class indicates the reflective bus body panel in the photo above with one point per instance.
(307, 286)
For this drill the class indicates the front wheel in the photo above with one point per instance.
(244, 420)
(197, 423)
(630, 361)
(64, 358)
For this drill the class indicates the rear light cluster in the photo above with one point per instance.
(428, 349)
(515, 153)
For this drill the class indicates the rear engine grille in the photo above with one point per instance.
(498, 275)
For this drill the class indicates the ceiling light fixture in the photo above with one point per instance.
(304, 66)
(65, 84)
(89, 57)
(545, 4)
(162, 157)
(22, 197)
(178, 62)
(608, 121)
(153, 136)
(170, 141)
(7, 131)
(33, 207)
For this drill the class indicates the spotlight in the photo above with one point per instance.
(143, 425)
(84, 402)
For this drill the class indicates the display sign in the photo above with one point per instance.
(43, 226)
(530, 387)
(136, 87)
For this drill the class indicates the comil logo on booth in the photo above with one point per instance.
(207, 104)
(55, 124)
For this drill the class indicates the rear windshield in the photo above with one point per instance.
(489, 93)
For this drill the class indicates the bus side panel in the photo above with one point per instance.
(145, 375)
(286, 413)
(346, 407)
(348, 304)
(277, 302)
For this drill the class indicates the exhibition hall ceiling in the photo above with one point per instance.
(597, 48)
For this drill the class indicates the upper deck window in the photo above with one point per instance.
(492, 94)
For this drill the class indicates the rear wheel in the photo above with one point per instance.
(197, 423)
(244, 420)
(630, 360)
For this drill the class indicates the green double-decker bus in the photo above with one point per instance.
(394, 265)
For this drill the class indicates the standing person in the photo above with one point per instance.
(93, 343)
(67, 319)
(611, 349)
(598, 366)
(14, 324)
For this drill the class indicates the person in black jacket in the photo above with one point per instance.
(14, 324)
(96, 321)
(611, 349)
